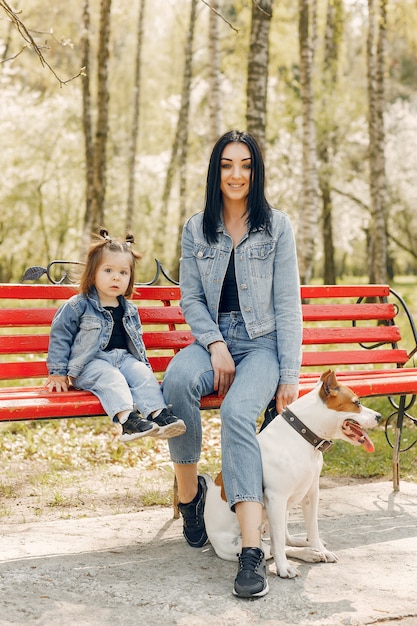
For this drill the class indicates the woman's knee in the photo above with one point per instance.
(189, 372)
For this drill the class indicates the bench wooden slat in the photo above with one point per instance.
(340, 335)
(37, 369)
(369, 383)
(352, 312)
(354, 357)
(26, 317)
(35, 402)
(18, 291)
(43, 317)
(21, 370)
(35, 344)
(344, 291)
(23, 344)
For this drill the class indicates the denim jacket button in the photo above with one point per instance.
(244, 286)
(199, 254)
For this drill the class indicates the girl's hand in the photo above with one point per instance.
(57, 383)
(223, 367)
(285, 395)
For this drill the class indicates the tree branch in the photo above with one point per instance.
(31, 43)
(220, 15)
(351, 197)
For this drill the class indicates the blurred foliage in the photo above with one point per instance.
(42, 196)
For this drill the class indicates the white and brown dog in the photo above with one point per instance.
(291, 448)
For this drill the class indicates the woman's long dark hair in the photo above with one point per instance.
(259, 210)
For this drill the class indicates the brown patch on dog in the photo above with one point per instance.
(219, 482)
(338, 397)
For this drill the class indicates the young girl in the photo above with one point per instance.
(96, 343)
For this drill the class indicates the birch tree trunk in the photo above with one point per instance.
(95, 143)
(88, 129)
(214, 77)
(257, 86)
(100, 140)
(308, 221)
(377, 254)
(179, 152)
(135, 122)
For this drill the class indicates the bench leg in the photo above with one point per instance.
(397, 445)
(175, 499)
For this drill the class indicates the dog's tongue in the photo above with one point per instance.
(355, 432)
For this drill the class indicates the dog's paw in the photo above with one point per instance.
(286, 570)
(330, 557)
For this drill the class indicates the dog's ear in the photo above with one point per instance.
(329, 385)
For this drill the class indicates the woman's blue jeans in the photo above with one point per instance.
(121, 383)
(190, 376)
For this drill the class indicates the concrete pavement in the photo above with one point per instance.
(135, 569)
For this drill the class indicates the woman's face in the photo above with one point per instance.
(235, 171)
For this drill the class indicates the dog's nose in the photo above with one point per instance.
(378, 417)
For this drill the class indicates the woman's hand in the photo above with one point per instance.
(57, 383)
(285, 395)
(223, 367)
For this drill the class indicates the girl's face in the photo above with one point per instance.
(235, 171)
(113, 276)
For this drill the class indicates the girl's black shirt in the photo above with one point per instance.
(118, 337)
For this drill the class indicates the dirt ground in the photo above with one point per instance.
(30, 492)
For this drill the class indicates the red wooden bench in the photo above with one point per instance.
(355, 329)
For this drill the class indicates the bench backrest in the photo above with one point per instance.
(351, 325)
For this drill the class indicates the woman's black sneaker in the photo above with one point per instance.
(168, 424)
(251, 580)
(136, 426)
(194, 529)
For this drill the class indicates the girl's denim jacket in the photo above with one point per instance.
(267, 281)
(82, 327)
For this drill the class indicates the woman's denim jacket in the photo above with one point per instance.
(82, 327)
(267, 281)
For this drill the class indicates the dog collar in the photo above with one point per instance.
(319, 444)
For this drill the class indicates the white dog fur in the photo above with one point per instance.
(291, 472)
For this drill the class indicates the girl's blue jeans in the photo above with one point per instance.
(190, 376)
(121, 383)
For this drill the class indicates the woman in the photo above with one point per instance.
(240, 295)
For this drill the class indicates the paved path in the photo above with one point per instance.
(136, 569)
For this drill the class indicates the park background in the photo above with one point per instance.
(108, 113)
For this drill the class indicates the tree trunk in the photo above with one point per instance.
(214, 78)
(88, 130)
(257, 86)
(377, 255)
(308, 222)
(327, 144)
(100, 142)
(179, 151)
(135, 123)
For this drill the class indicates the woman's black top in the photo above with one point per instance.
(229, 299)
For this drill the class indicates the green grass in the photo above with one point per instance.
(346, 460)
(79, 444)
